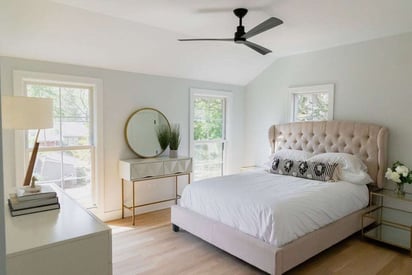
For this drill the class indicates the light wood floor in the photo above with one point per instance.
(151, 247)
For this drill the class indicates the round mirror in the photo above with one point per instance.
(141, 132)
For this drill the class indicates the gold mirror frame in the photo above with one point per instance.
(128, 124)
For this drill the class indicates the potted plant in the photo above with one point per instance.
(174, 140)
(163, 135)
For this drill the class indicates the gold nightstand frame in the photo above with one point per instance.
(378, 226)
(133, 182)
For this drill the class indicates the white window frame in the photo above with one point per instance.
(325, 88)
(96, 86)
(228, 96)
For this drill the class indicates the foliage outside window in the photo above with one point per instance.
(312, 103)
(209, 115)
(208, 118)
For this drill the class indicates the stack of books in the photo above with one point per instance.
(22, 202)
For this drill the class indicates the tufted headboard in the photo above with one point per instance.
(367, 141)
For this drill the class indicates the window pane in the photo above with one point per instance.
(320, 106)
(208, 160)
(303, 107)
(77, 176)
(75, 119)
(48, 167)
(311, 106)
(208, 121)
(76, 168)
(75, 133)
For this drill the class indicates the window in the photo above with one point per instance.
(312, 103)
(208, 133)
(67, 152)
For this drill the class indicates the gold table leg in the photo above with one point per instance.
(176, 190)
(122, 198)
(133, 207)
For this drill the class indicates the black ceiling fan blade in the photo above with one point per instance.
(264, 26)
(207, 39)
(256, 47)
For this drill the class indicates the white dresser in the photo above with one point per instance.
(135, 170)
(69, 241)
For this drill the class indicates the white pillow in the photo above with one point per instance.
(287, 154)
(357, 178)
(292, 154)
(352, 168)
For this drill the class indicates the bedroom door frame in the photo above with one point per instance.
(228, 97)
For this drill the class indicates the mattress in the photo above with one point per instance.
(274, 208)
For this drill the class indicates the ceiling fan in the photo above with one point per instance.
(241, 36)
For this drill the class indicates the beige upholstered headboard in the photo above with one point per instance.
(367, 141)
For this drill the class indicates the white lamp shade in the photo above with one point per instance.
(20, 112)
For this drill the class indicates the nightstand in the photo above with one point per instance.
(391, 225)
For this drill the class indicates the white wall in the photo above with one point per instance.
(124, 93)
(373, 83)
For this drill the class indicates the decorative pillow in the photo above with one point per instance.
(348, 162)
(304, 169)
(352, 168)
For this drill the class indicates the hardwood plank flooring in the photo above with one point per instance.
(151, 247)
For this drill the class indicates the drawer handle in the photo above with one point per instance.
(146, 177)
(178, 173)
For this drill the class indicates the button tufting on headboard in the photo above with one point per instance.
(368, 141)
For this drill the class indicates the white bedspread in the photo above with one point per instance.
(274, 208)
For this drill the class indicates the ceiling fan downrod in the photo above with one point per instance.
(240, 30)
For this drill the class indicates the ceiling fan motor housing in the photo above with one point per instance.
(240, 31)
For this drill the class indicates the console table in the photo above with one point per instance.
(135, 170)
(69, 240)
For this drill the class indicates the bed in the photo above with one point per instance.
(366, 141)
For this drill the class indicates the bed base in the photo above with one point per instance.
(266, 257)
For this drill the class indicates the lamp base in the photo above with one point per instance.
(29, 189)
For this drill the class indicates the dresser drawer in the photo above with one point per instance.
(178, 166)
(146, 170)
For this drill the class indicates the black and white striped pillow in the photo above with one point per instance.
(305, 169)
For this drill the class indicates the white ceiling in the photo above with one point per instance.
(141, 36)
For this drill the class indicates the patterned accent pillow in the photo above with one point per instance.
(305, 169)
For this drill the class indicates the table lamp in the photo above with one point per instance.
(24, 113)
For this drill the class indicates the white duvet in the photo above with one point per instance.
(276, 209)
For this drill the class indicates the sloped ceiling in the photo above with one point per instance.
(141, 36)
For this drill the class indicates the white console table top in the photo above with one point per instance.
(38, 230)
(156, 159)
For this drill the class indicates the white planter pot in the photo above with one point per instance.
(173, 154)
